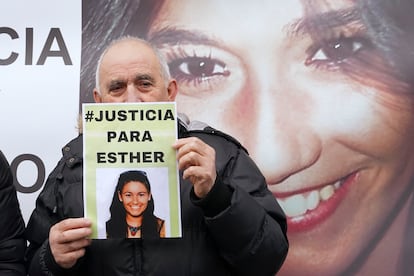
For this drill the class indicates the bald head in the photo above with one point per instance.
(129, 42)
(129, 69)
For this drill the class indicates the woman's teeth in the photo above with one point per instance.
(299, 204)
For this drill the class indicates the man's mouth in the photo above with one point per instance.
(305, 210)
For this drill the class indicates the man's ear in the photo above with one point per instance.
(97, 96)
(172, 90)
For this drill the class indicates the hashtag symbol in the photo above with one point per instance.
(89, 116)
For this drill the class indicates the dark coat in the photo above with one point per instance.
(238, 229)
(12, 242)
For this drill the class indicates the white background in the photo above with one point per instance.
(38, 103)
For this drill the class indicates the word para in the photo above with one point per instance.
(132, 136)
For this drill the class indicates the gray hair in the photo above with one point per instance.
(165, 71)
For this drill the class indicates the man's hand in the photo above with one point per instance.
(197, 160)
(68, 239)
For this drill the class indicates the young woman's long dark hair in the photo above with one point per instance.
(116, 226)
(390, 27)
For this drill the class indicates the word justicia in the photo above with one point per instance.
(134, 115)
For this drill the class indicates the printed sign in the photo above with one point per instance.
(130, 170)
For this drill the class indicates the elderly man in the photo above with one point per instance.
(231, 223)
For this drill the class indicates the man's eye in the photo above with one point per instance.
(114, 89)
(195, 67)
(338, 50)
(146, 84)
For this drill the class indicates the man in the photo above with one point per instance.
(231, 223)
(12, 242)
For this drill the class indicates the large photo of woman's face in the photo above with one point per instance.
(319, 101)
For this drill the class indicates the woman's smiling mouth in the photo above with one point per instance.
(305, 210)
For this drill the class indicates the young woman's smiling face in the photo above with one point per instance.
(134, 196)
(303, 88)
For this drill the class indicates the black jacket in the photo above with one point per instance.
(12, 242)
(238, 229)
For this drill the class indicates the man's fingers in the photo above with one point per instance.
(191, 144)
(69, 259)
(72, 223)
(72, 235)
(68, 240)
(193, 152)
(189, 159)
(69, 230)
(74, 246)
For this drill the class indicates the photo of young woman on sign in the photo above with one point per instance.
(132, 209)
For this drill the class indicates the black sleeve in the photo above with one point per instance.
(12, 241)
(51, 208)
(244, 218)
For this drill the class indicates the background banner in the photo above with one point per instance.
(319, 92)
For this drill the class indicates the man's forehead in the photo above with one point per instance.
(129, 48)
(129, 58)
(128, 65)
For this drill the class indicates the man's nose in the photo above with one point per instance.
(132, 94)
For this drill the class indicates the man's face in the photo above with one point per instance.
(130, 72)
